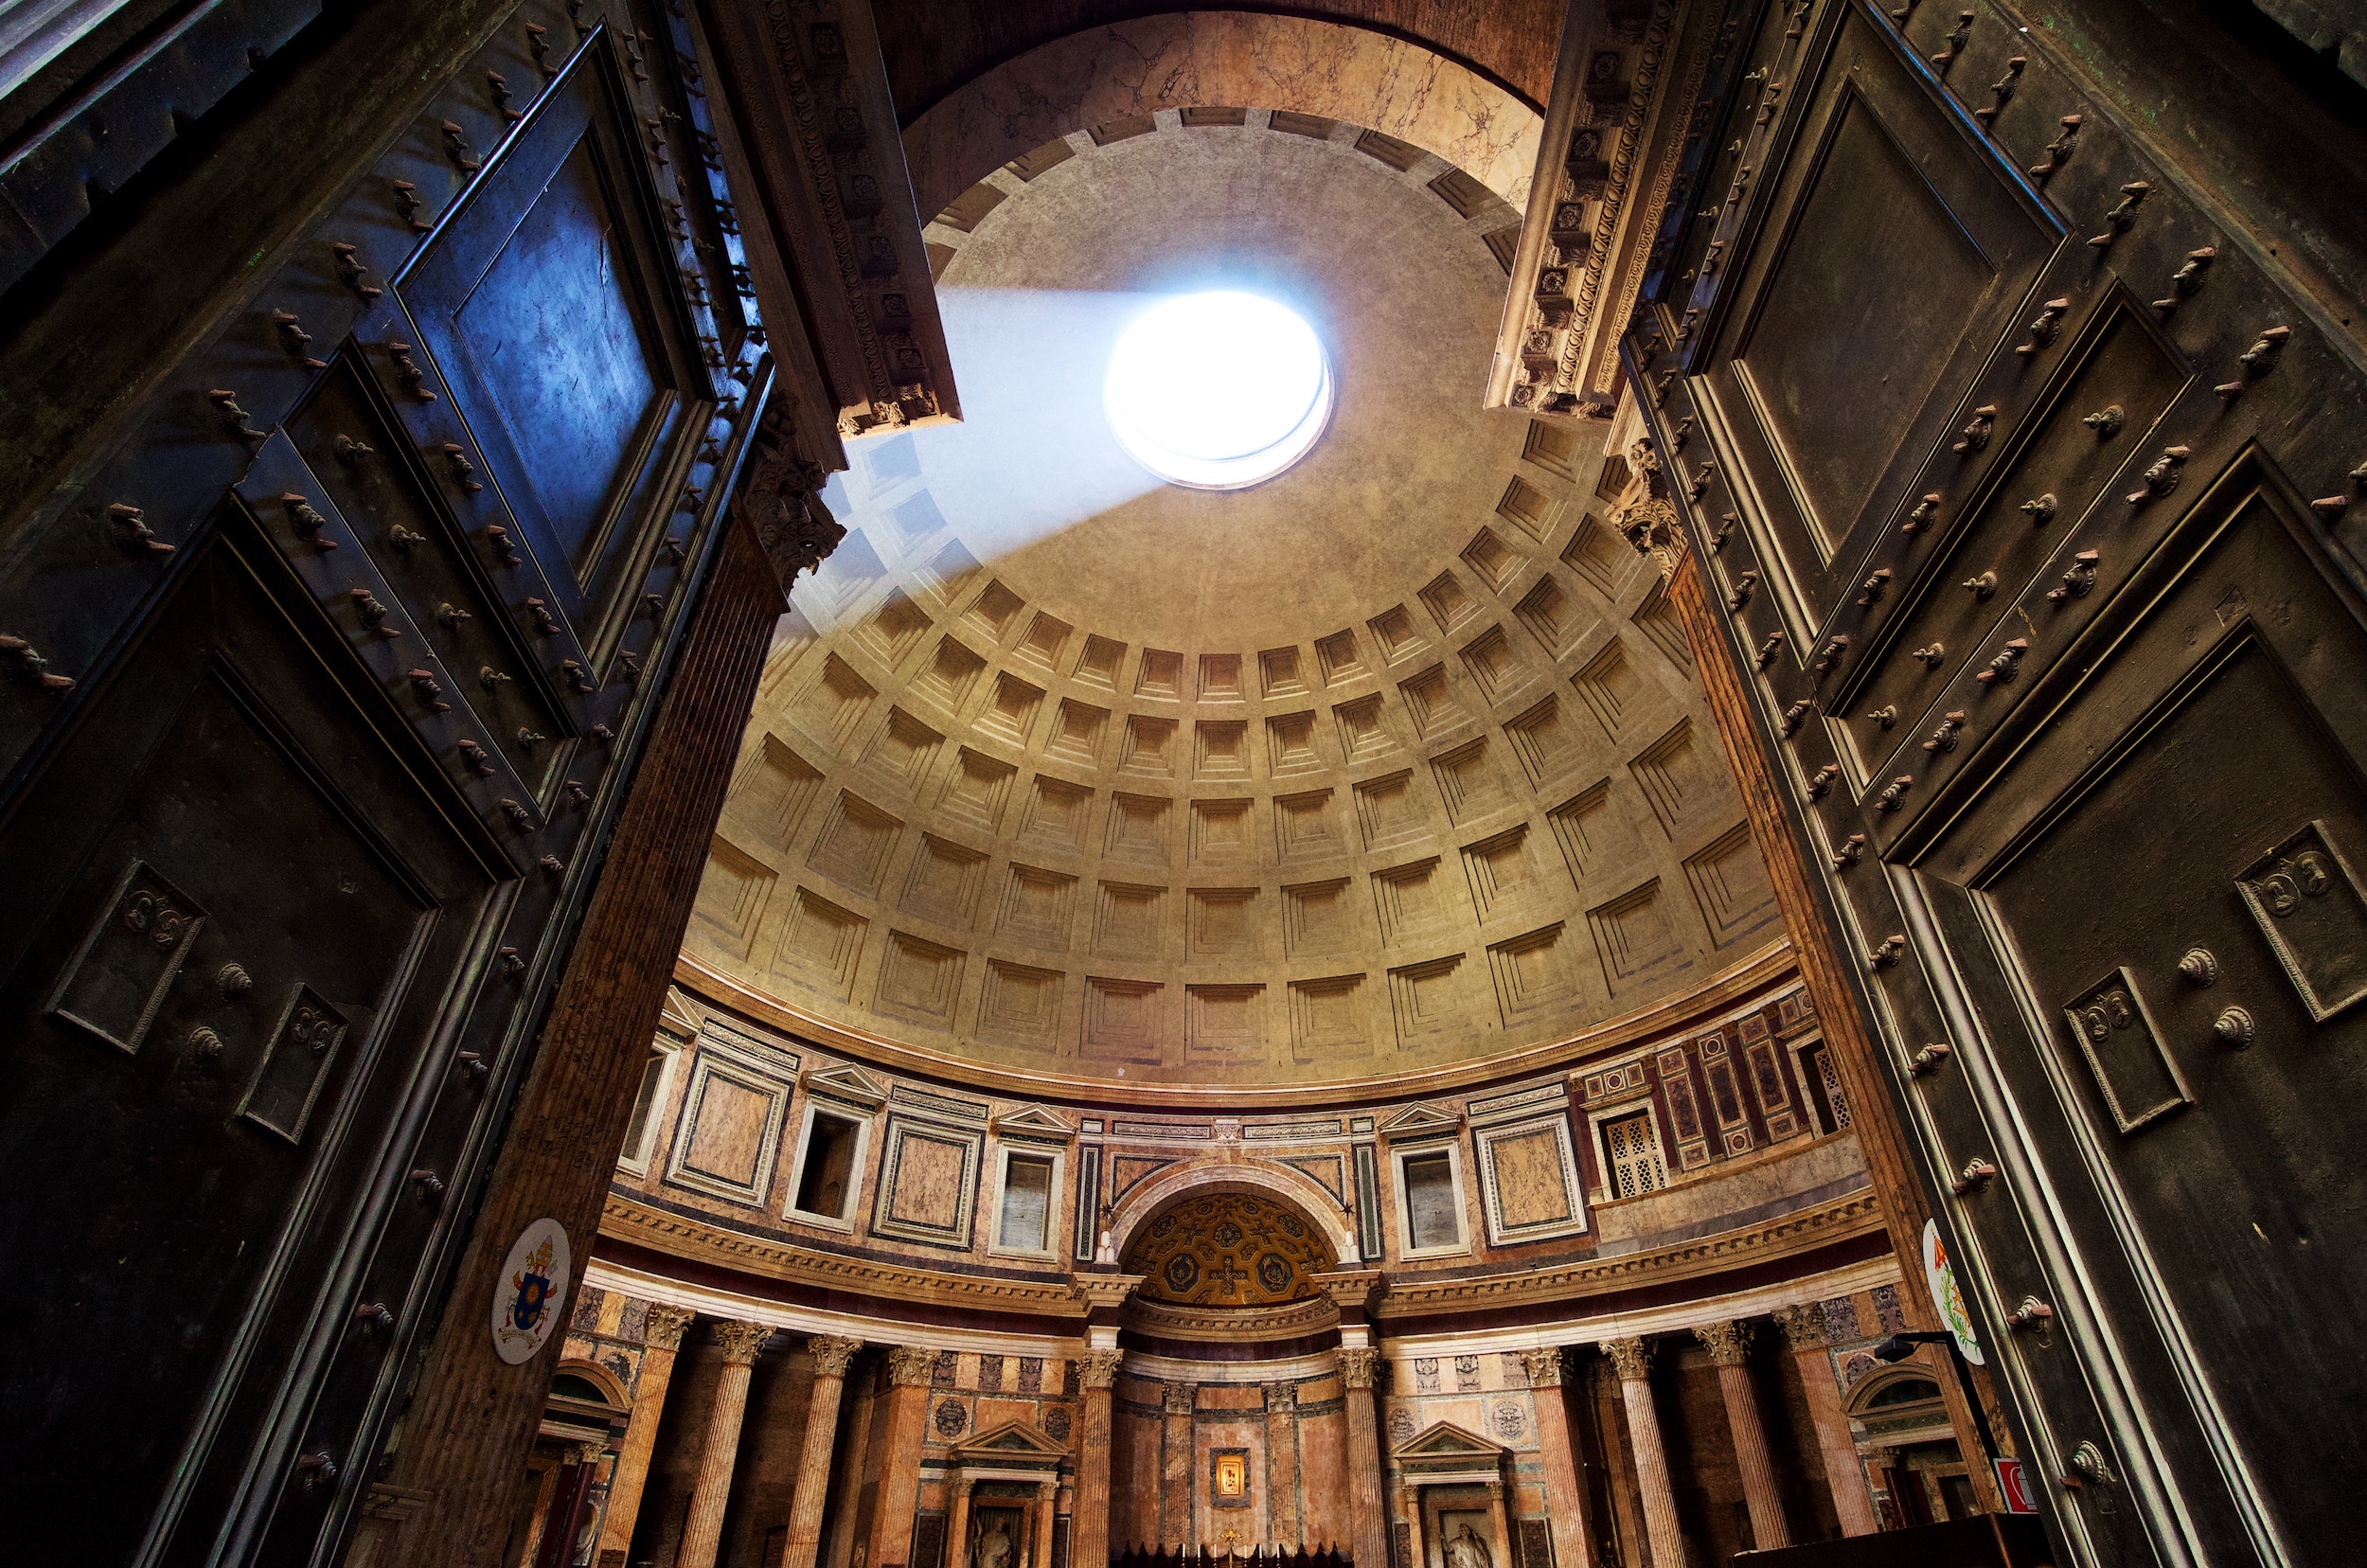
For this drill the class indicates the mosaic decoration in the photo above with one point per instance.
(1227, 1249)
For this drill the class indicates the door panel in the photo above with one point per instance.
(1897, 262)
(547, 305)
(2146, 905)
(1843, 294)
(2120, 378)
(444, 599)
(210, 1016)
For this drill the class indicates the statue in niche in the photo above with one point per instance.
(994, 1547)
(1465, 1549)
(1106, 1249)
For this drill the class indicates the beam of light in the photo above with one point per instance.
(1034, 454)
(1228, 388)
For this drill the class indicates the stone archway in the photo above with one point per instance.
(1228, 1247)
(1295, 1190)
(1181, 60)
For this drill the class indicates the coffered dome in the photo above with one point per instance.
(1392, 762)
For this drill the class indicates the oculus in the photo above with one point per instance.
(1217, 390)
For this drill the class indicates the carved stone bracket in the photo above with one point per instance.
(1644, 514)
(776, 495)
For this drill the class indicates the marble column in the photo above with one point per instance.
(831, 1356)
(1568, 1507)
(1088, 1517)
(911, 1370)
(1729, 1344)
(1047, 1492)
(1368, 1537)
(1175, 1466)
(957, 1520)
(703, 1531)
(661, 1338)
(1633, 1359)
(1282, 1463)
(1804, 1332)
(1500, 1515)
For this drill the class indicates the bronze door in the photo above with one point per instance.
(2020, 476)
(324, 683)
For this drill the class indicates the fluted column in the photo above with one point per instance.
(957, 1520)
(1567, 1506)
(1409, 1514)
(1047, 1492)
(1633, 1359)
(1368, 1531)
(910, 1371)
(703, 1531)
(1804, 1332)
(1089, 1516)
(1282, 1463)
(830, 1357)
(662, 1339)
(1729, 1344)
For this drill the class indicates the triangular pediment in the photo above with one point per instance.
(1035, 1120)
(1424, 1117)
(1446, 1440)
(675, 1017)
(1012, 1439)
(845, 1082)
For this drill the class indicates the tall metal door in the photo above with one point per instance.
(318, 695)
(2024, 478)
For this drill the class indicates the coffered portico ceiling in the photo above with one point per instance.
(1393, 761)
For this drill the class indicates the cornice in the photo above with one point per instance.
(693, 1240)
(1800, 1231)
(673, 1235)
(1757, 972)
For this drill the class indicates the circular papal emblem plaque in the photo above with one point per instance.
(1057, 1424)
(530, 1290)
(1400, 1426)
(951, 1418)
(1511, 1423)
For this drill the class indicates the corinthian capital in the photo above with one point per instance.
(1543, 1367)
(1632, 1357)
(664, 1326)
(1803, 1326)
(911, 1366)
(1728, 1343)
(1099, 1368)
(742, 1341)
(832, 1354)
(1360, 1368)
